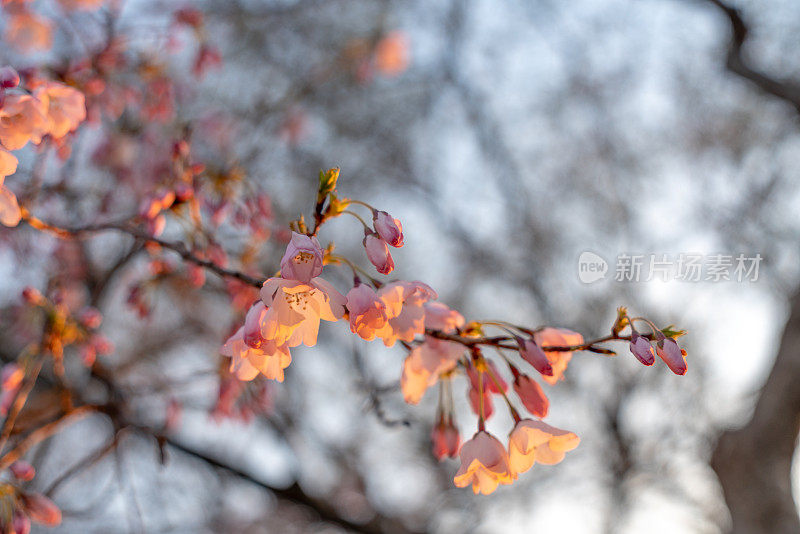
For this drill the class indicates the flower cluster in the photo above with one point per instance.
(441, 345)
(47, 110)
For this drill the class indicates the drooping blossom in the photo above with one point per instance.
(302, 260)
(675, 357)
(535, 441)
(445, 439)
(484, 464)
(378, 253)
(440, 317)
(268, 359)
(531, 395)
(367, 311)
(389, 229)
(404, 310)
(10, 214)
(22, 119)
(488, 383)
(560, 337)
(425, 363)
(295, 309)
(65, 107)
(641, 348)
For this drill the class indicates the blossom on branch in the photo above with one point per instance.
(535, 441)
(484, 464)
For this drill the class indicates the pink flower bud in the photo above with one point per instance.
(22, 470)
(534, 355)
(21, 524)
(675, 358)
(8, 77)
(41, 509)
(531, 395)
(488, 383)
(378, 253)
(388, 228)
(102, 345)
(642, 349)
(446, 440)
(303, 258)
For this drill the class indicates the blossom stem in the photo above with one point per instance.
(357, 216)
(514, 412)
(352, 201)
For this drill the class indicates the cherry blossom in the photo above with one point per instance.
(64, 106)
(405, 310)
(22, 119)
(535, 441)
(557, 337)
(425, 363)
(642, 349)
(445, 439)
(302, 260)
(531, 395)
(295, 309)
(367, 311)
(484, 464)
(247, 362)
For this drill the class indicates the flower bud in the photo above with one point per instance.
(531, 395)
(378, 253)
(22, 470)
(675, 358)
(642, 349)
(534, 355)
(445, 439)
(41, 509)
(388, 228)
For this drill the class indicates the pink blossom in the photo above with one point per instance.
(531, 395)
(424, 364)
(557, 337)
(440, 317)
(445, 439)
(642, 349)
(378, 253)
(64, 106)
(251, 335)
(534, 441)
(20, 523)
(22, 118)
(675, 357)
(28, 32)
(268, 359)
(484, 464)
(388, 228)
(302, 260)
(488, 383)
(295, 309)
(367, 311)
(404, 310)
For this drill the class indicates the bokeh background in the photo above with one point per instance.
(508, 137)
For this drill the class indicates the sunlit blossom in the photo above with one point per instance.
(367, 311)
(65, 107)
(295, 309)
(22, 119)
(247, 362)
(675, 358)
(557, 337)
(378, 253)
(388, 228)
(425, 363)
(404, 310)
(29, 32)
(484, 464)
(302, 260)
(440, 317)
(535, 441)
